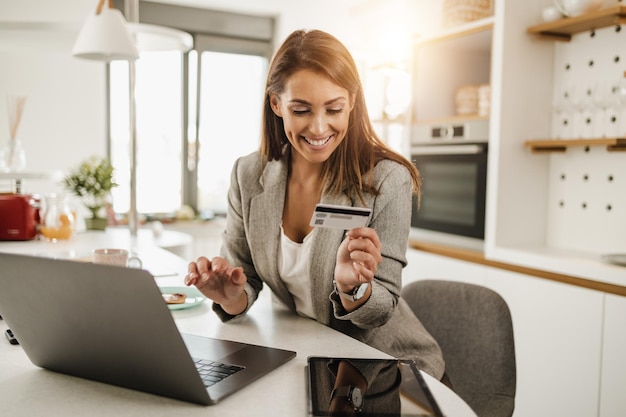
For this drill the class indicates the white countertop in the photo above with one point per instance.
(26, 390)
(562, 261)
(80, 245)
(578, 264)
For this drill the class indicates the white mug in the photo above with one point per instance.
(118, 257)
(577, 7)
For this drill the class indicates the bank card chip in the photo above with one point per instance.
(340, 217)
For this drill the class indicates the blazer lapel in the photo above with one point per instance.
(323, 259)
(266, 211)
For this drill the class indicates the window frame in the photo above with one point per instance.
(212, 30)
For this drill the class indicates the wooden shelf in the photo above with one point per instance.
(561, 145)
(563, 29)
(481, 28)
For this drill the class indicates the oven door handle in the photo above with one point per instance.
(448, 150)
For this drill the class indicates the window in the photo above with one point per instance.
(158, 98)
(195, 112)
(231, 99)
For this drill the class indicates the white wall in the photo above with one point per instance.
(63, 120)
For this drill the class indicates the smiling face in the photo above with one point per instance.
(315, 113)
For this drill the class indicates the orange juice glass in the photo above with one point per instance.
(58, 221)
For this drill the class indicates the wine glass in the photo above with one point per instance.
(563, 108)
(619, 93)
(605, 101)
(582, 105)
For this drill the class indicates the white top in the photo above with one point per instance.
(293, 268)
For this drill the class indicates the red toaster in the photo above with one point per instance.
(19, 216)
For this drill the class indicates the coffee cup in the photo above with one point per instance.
(118, 257)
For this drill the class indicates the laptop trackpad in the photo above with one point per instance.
(209, 348)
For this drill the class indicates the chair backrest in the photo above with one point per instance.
(473, 327)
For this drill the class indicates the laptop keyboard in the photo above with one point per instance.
(213, 372)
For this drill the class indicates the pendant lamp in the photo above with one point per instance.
(105, 36)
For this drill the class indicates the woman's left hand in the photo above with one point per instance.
(358, 258)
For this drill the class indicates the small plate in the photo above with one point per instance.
(615, 258)
(194, 297)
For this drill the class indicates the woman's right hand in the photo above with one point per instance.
(220, 282)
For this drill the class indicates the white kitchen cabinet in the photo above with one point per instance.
(613, 382)
(558, 344)
(521, 83)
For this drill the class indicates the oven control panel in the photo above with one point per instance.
(450, 132)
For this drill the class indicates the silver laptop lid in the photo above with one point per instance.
(98, 322)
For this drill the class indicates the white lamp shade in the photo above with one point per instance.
(105, 37)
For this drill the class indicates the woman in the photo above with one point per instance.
(318, 145)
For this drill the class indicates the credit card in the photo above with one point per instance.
(340, 217)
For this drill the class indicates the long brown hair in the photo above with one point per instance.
(349, 168)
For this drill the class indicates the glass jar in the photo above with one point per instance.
(58, 221)
(12, 157)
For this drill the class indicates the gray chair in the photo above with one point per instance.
(472, 324)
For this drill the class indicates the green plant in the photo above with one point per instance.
(92, 181)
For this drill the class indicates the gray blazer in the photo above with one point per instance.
(252, 238)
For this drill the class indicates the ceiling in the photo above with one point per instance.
(254, 6)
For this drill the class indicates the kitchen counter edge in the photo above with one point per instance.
(478, 257)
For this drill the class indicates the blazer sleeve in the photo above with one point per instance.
(235, 248)
(391, 218)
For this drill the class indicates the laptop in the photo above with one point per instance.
(111, 324)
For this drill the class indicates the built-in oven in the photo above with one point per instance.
(454, 183)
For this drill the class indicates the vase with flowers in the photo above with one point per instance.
(92, 182)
